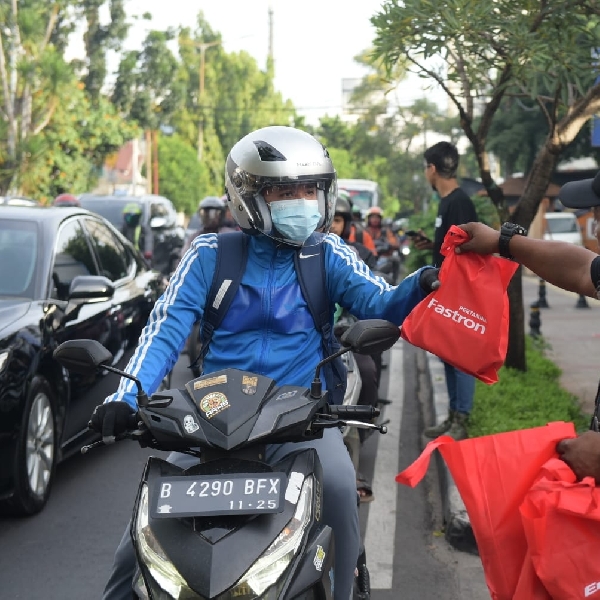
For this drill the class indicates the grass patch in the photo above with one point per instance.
(523, 400)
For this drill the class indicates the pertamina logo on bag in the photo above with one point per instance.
(464, 316)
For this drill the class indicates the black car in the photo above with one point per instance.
(161, 238)
(65, 273)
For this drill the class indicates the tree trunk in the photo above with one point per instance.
(536, 184)
(534, 192)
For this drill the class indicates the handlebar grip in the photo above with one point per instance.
(359, 413)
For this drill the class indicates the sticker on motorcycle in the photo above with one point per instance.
(249, 385)
(189, 424)
(294, 486)
(202, 383)
(214, 403)
(286, 395)
(318, 496)
(319, 558)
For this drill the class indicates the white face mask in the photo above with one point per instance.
(295, 219)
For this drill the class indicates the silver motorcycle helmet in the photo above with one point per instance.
(277, 155)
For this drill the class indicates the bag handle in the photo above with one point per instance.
(413, 474)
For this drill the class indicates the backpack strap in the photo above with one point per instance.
(232, 255)
(309, 262)
(310, 269)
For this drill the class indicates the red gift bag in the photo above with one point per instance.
(493, 474)
(561, 520)
(465, 321)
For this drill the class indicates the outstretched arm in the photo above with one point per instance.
(562, 264)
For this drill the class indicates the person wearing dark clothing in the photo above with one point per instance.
(455, 208)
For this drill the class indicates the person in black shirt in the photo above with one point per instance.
(455, 208)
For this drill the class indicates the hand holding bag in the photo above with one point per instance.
(493, 474)
(561, 520)
(465, 321)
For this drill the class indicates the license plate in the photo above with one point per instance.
(206, 495)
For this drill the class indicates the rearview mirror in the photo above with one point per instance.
(91, 288)
(371, 336)
(82, 356)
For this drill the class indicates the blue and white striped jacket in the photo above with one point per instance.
(268, 329)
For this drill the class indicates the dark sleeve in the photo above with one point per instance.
(595, 272)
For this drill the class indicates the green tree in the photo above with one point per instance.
(477, 52)
(518, 132)
(99, 38)
(182, 178)
(227, 95)
(145, 89)
(32, 75)
(68, 155)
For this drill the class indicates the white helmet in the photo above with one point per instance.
(277, 155)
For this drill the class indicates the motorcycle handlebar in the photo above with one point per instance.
(358, 413)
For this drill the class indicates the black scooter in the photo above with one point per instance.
(234, 526)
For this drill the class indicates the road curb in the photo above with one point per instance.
(458, 531)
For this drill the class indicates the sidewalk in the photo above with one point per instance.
(573, 335)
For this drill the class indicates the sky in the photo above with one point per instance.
(315, 42)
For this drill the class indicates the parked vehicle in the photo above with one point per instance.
(65, 273)
(161, 238)
(563, 226)
(232, 525)
(18, 201)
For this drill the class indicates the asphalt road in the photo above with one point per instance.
(65, 553)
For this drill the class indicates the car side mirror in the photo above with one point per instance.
(91, 288)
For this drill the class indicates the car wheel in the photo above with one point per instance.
(35, 457)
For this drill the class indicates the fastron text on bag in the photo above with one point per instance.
(457, 317)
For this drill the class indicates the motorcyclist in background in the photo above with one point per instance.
(343, 226)
(212, 211)
(65, 200)
(282, 187)
(356, 230)
(132, 223)
(385, 239)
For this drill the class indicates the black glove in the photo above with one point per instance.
(113, 419)
(428, 280)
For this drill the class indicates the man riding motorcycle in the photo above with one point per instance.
(281, 187)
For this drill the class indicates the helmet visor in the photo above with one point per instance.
(312, 189)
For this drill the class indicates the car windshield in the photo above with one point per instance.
(562, 225)
(109, 208)
(18, 253)
(361, 198)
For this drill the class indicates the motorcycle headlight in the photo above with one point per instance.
(171, 583)
(278, 556)
(405, 250)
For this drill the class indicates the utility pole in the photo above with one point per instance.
(155, 161)
(148, 161)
